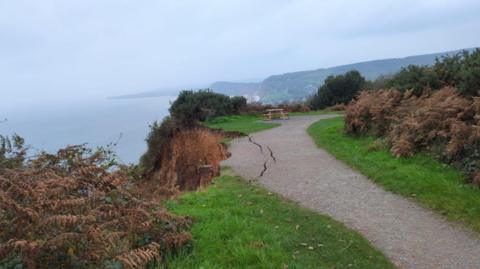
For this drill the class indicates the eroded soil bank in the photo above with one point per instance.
(190, 159)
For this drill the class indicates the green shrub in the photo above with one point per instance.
(415, 77)
(448, 68)
(469, 74)
(461, 71)
(159, 135)
(338, 90)
(12, 152)
(190, 108)
(239, 103)
(193, 106)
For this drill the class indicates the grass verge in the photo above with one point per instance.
(421, 177)
(314, 112)
(248, 124)
(240, 123)
(239, 225)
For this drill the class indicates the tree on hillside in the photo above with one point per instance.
(338, 90)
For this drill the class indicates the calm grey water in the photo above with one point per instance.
(97, 123)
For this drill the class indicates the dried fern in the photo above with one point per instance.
(71, 210)
(441, 122)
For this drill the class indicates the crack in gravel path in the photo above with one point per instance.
(271, 155)
(410, 235)
(265, 162)
(264, 169)
(255, 143)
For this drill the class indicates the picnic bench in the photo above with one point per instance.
(275, 113)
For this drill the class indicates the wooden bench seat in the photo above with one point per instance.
(276, 113)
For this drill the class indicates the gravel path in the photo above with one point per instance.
(411, 236)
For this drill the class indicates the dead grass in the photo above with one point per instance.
(189, 161)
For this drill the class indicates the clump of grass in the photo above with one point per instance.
(421, 177)
(239, 225)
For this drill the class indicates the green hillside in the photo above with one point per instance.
(299, 85)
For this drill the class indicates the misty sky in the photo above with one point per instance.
(63, 50)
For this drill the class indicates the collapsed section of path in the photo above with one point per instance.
(293, 166)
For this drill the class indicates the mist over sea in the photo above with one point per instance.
(96, 122)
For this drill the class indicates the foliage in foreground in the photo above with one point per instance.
(420, 177)
(442, 122)
(77, 209)
(239, 225)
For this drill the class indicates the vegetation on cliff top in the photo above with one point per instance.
(461, 70)
(187, 112)
(191, 107)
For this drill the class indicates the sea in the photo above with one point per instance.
(98, 122)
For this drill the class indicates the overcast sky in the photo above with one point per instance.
(82, 48)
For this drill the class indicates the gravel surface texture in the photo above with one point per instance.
(287, 161)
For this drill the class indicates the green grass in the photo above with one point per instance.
(240, 225)
(314, 112)
(240, 123)
(422, 178)
(248, 124)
